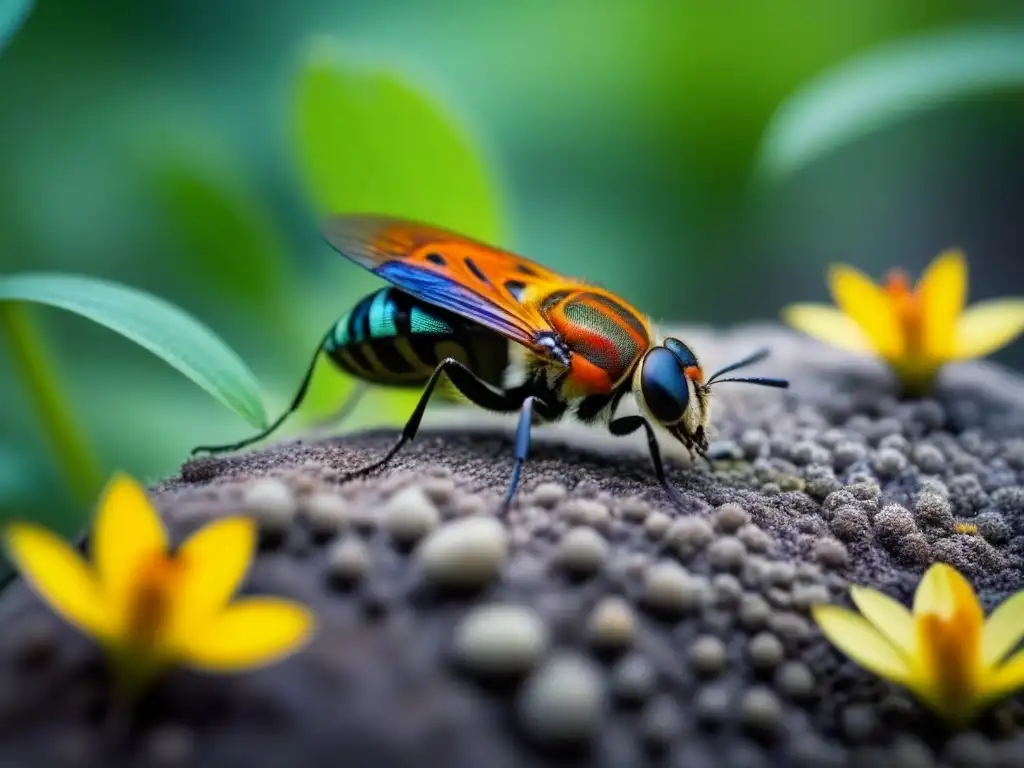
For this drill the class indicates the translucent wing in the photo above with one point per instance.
(492, 287)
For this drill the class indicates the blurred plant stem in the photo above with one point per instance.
(32, 363)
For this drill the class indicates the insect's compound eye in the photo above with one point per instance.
(685, 355)
(663, 386)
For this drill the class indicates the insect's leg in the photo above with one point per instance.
(296, 402)
(472, 387)
(626, 425)
(522, 448)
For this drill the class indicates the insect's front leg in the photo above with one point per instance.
(627, 425)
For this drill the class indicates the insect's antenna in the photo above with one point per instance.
(764, 382)
(754, 357)
(296, 402)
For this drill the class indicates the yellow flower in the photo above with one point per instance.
(945, 652)
(915, 329)
(150, 607)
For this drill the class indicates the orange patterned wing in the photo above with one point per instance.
(495, 288)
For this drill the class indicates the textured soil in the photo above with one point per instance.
(594, 624)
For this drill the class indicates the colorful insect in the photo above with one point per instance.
(510, 335)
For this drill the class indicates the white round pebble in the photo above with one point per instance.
(689, 535)
(500, 640)
(765, 650)
(325, 512)
(760, 709)
(409, 515)
(465, 553)
(726, 553)
(586, 512)
(563, 701)
(634, 508)
(271, 503)
(440, 490)
(657, 524)
(612, 624)
(670, 589)
(549, 494)
(582, 551)
(348, 561)
(707, 655)
(730, 517)
(633, 679)
(754, 538)
(795, 680)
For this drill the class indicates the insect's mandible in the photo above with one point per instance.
(509, 335)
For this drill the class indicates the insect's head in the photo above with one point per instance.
(672, 389)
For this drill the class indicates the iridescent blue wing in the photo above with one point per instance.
(495, 288)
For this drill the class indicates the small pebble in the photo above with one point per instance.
(563, 701)
(500, 640)
(633, 679)
(969, 749)
(761, 710)
(754, 611)
(689, 535)
(325, 513)
(582, 551)
(465, 553)
(707, 655)
(348, 561)
(634, 509)
(765, 650)
(661, 722)
(440, 490)
(726, 553)
(888, 462)
(549, 494)
(754, 538)
(612, 624)
(272, 504)
(729, 518)
(794, 680)
(859, 723)
(409, 515)
(711, 705)
(670, 589)
(831, 553)
(657, 524)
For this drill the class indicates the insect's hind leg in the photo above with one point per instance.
(296, 402)
(627, 425)
(480, 393)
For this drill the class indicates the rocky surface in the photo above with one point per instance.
(594, 624)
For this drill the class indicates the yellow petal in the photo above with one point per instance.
(943, 292)
(1004, 629)
(126, 533)
(59, 575)
(889, 617)
(858, 639)
(213, 562)
(252, 632)
(946, 593)
(827, 324)
(868, 305)
(1006, 678)
(987, 326)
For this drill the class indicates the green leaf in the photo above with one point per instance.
(370, 141)
(12, 15)
(228, 237)
(885, 85)
(163, 329)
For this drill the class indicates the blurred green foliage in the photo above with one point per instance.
(187, 148)
(888, 84)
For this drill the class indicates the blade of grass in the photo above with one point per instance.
(42, 382)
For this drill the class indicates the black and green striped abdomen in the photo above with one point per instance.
(393, 339)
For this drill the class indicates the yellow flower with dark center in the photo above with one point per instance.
(150, 607)
(944, 652)
(914, 329)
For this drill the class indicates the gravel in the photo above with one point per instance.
(592, 624)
